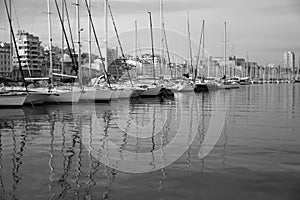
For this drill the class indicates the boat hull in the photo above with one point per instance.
(205, 87)
(96, 95)
(116, 94)
(185, 88)
(126, 93)
(36, 98)
(151, 92)
(64, 97)
(229, 86)
(137, 92)
(245, 83)
(12, 100)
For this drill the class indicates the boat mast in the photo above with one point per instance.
(62, 37)
(97, 43)
(119, 41)
(164, 41)
(89, 40)
(10, 41)
(235, 61)
(72, 52)
(135, 43)
(152, 46)
(161, 37)
(225, 49)
(79, 44)
(15, 44)
(106, 33)
(199, 51)
(298, 69)
(50, 43)
(168, 53)
(203, 56)
(190, 45)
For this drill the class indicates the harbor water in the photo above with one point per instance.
(57, 151)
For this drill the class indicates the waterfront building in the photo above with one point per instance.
(251, 70)
(116, 68)
(30, 52)
(289, 63)
(5, 60)
(273, 71)
(148, 65)
(111, 54)
(56, 61)
(241, 65)
(228, 67)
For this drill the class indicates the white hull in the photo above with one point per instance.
(12, 100)
(151, 92)
(35, 98)
(64, 97)
(116, 94)
(186, 88)
(229, 86)
(126, 93)
(96, 94)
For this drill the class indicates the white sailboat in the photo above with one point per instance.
(59, 94)
(35, 97)
(12, 99)
(17, 96)
(227, 83)
(153, 90)
(103, 92)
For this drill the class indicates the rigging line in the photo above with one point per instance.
(34, 15)
(15, 44)
(199, 49)
(69, 25)
(190, 44)
(139, 44)
(119, 41)
(168, 53)
(97, 42)
(74, 60)
(17, 19)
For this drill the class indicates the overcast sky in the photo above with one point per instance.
(263, 28)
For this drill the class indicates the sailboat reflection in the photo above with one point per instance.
(142, 132)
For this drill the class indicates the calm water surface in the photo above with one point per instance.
(50, 152)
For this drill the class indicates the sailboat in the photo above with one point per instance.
(99, 92)
(19, 96)
(227, 83)
(11, 99)
(64, 94)
(122, 91)
(154, 90)
(206, 84)
(187, 85)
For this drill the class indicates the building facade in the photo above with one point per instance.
(289, 60)
(289, 64)
(111, 54)
(30, 52)
(5, 60)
